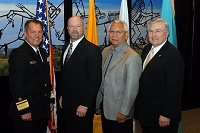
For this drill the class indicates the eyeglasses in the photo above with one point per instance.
(156, 31)
(118, 32)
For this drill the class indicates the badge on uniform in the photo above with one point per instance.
(33, 62)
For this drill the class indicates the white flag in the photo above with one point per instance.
(123, 15)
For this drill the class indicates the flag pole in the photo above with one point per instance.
(51, 64)
(50, 49)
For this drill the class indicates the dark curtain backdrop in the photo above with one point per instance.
(6, 125)
(60, 113)
(188, 27)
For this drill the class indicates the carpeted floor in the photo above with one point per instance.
(190, 122)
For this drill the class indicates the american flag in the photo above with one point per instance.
(42, 15)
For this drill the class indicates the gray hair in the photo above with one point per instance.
(157, 20)
(120, 21)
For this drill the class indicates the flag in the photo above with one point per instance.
(123, 15)
(42, 15)
(91, 33)
(167, 13)
(92, 36)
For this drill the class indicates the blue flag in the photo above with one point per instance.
(167, 13)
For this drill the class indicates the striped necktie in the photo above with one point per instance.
(112, 52)
(69, 52)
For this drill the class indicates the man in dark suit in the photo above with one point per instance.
(30, 83)
(81, 78)
(158, 101)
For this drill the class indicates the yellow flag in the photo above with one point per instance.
(91, 33)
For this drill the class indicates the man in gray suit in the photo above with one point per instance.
(121, 70)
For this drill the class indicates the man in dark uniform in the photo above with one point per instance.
(30, 83)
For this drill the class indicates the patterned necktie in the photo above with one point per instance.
(112, 52)
(150, 56)
(69, 52)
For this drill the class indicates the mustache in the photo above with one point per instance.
(75, 32)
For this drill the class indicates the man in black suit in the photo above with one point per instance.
(81, 78)
(30, 83)
(158, 101)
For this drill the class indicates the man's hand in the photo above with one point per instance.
(98, 112)
(81, 111)
(164, 121)
(121, 118)
(26, 117)
(60, 101)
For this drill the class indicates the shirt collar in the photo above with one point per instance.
(156, 49)
(35, 49)
(77, 41)
(159, 46)
(119, 48)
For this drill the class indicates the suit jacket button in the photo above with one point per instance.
(45, 84)
(45, 95)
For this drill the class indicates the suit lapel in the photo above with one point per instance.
(156, 57)
(106, 56)
(62, 54)
(31, 52)
(38, 58)
(119, 57)
(75, 56)
(44, 57)
(63, 51)
(145, 52)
